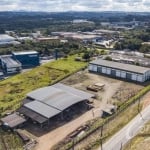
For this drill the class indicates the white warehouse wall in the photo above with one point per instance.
(120, 73)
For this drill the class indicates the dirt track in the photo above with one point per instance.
(48, 140)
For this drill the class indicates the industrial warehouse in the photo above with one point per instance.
(27, 58)
(10, 65)
(120, 70)
(57, 100)
(14, 63)
(6, 39)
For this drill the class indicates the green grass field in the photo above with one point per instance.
(14, 89)
(10, 141)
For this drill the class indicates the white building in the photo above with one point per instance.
(120, 70)
(6, 39)
(9, 65)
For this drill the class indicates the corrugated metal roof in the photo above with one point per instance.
(10, 62)
(13, 120)
(43, 93)
(49, 101)
(33, 115)
(43, 109)
(57, 92)
(4, 37)
(1, 73)
(64, 101)
(120, 66)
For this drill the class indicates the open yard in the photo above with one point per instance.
(104, 97)
(114, 92)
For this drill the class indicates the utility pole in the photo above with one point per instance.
(73, 144)
(121, 147)
(101, 141)
(139, 111)
(56, 53)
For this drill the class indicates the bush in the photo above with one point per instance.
(108, 58)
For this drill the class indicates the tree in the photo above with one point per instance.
(132, 44)
(145, 48)
(108, 58)
(86, 56)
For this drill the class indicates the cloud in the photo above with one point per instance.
(147, 3)
(75, 5)
(128, 1)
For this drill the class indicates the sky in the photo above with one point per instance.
(75, 5)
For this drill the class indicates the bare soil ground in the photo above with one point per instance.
(114, 90)
(48, 140)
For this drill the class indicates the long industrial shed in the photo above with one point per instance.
(44, 103)
(120, 70)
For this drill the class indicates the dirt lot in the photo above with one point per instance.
(115, 91)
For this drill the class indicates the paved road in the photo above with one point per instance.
(128, 132)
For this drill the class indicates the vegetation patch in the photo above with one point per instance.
(14, 89)
(10, 141)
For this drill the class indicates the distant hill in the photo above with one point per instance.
(30, 20)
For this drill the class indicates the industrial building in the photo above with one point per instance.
(45, 103)
(1, 75)
(9, 65)
(27, 58)
(120, 70)
(79, 36)
(12, 121)
(6, 39)
(14, 63)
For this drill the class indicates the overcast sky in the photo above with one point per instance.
(75, 5)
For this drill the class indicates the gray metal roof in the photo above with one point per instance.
(10, 62)
(63, 101)
(57, 91)
(120, 66)
(13, 120)
(5, 37)
(33, 115)
(43, 93)
(49, 101)
(73, 91)
(1, 73)
(42, 109)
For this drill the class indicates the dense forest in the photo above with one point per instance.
(133, 40)
(32, 20)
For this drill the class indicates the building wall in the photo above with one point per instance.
(131, 76)
(10, 68)
(28, 60)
